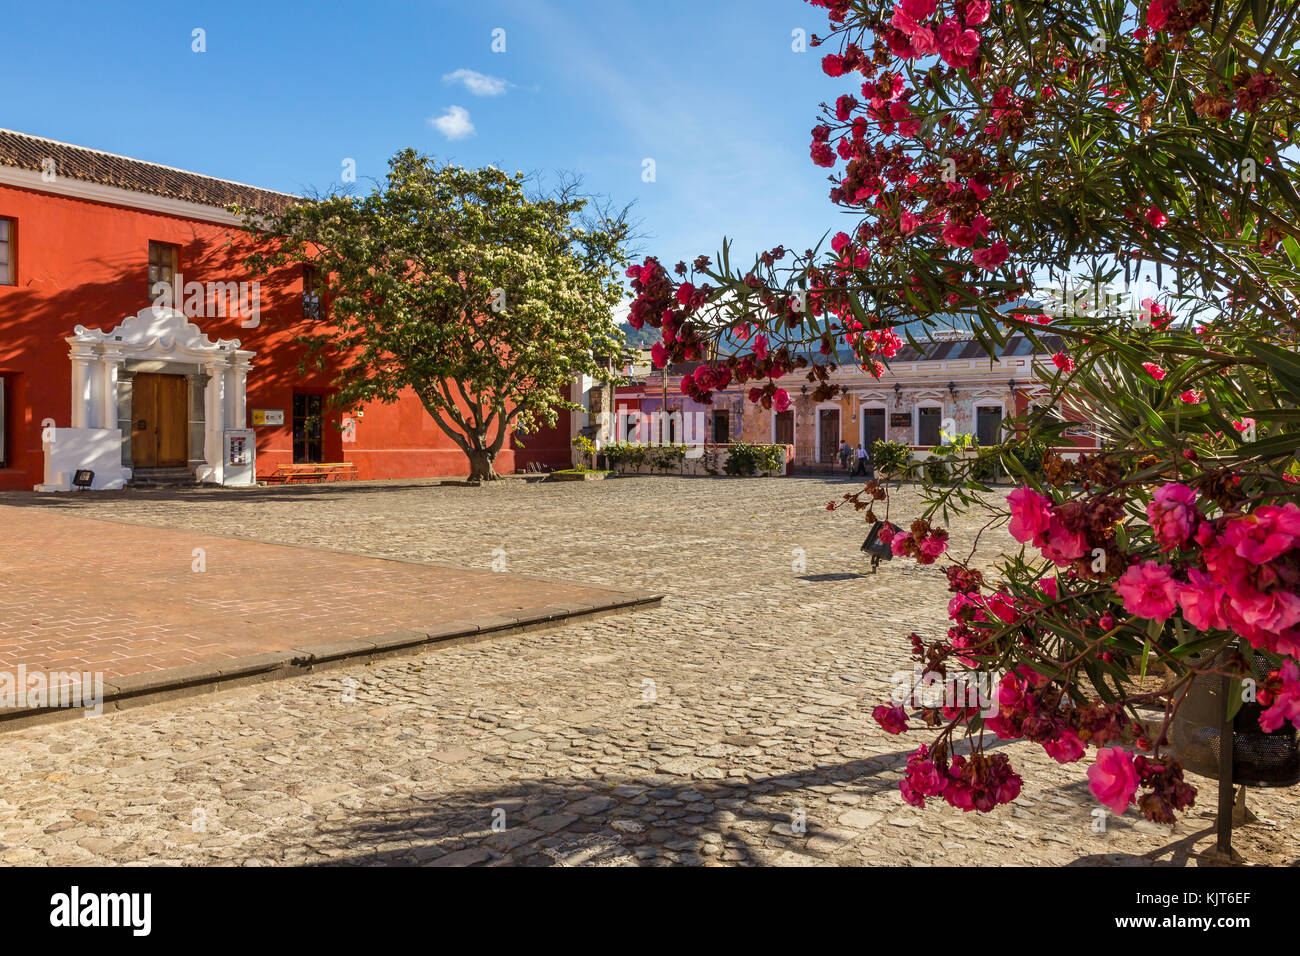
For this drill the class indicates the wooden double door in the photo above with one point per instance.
(159, 421)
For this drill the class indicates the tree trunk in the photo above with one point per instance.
(481, 465)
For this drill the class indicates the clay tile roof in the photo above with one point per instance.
(22, 151)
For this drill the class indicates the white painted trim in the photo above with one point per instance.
(163, 334)
(113, 196)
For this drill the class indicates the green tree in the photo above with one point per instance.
(456, 283)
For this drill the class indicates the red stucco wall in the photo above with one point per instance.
(86, 263)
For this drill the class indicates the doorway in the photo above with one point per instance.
(159, 417)
(308, 430)
(828, 434)
(873, 427)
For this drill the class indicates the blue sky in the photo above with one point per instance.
(710, 90)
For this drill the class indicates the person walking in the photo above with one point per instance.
(846, 453)
(861, 467)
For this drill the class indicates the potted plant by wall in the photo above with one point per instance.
(891, 459)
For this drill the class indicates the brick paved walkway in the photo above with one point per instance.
(101, 596)
(729, 725)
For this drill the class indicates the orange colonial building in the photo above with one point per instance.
(950, 387)
(95, 375)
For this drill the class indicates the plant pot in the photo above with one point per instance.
(1259, 758)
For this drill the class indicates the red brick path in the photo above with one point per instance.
(87, 595)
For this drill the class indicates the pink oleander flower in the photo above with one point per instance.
(898, 544)
(919, 10)
(1191, 397)
(1113, 779)
(1157, 218)
(977, 11)
(908, 221)
(1284, 704)
(659, 355)
(1148, 590)
(992, 257)
(1243, 424)
(1066, 748)
(759, 347)
(1063, 362)
(932, 546)
(891, 717)
(1063, 546)
(839, 241)
(1202, 601)
(1172, 515)
(781, 400)
(1158, 12)
(1266, 533)
(1031, 515)
(1155, 370)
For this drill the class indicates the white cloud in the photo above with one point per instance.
(479, 84)
(453, 124)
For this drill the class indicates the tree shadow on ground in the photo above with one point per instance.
(569, 821)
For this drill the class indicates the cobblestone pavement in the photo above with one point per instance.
(729, 725)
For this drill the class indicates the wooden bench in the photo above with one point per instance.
(313, 473)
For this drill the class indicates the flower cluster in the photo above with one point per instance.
(922, 541)
(1117, 774)
(980, 782)
(1237, 572)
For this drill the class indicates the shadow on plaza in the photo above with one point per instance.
(574, 821)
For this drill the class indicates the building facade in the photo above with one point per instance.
(97, 373)
(952, 387)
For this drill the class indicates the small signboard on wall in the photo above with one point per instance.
(268, 416)
(900, 419)
(239, 465)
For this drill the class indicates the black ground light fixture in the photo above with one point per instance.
(83, 478)
(879, 550)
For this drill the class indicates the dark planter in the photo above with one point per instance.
(1259, 759)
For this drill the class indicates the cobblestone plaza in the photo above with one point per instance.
(729, 724)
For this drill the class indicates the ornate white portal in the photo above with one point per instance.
(155, 340)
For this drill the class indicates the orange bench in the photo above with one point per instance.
(313, 473)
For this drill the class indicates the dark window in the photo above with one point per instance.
(988, 425)
(928, 424)
(163, 264)
(785, 428)
(721, 427)
(308, 446)
(6, 252)
(873, 427)
(310, 293)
